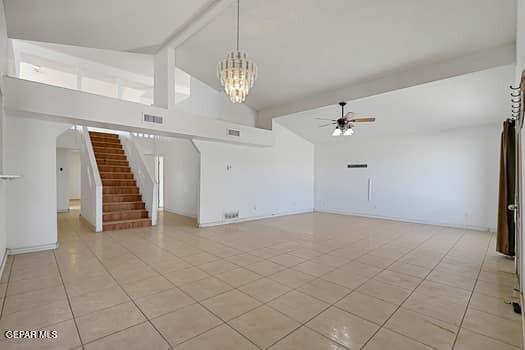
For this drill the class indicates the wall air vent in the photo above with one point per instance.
(357, 166)
(152, 119)
(232, 132)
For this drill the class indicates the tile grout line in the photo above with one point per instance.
(68, 300)
(291, 289)
(4, 300)
(469, 300)
(419, 284)
(472, 293)
(131, 299)
(130, 247)
(196, 302)
(352, 291)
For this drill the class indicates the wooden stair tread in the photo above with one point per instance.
(113, 186)
(133, 202)
(127, 221)
(125, 211)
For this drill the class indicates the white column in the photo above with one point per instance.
(164, 78)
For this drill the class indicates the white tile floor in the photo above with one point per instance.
(314, 281)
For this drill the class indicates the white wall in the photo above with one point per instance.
(62, 180)
(78, 107)
(520, 40)
(73, 163)
(31, 152)
(207, 102)
(3, 184)
(256, 181)
(68, 179)
(448, 177)
(181, 172)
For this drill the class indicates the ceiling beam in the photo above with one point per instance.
(415, 75)
(195, 24)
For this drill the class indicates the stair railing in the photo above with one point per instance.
(147, 184)
(91, 184)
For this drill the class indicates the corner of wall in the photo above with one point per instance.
(263, 121)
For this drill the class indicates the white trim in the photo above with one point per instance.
(409, 220)
(93, 228)
(195, 24)
(62, 210)
(253, 218)
(32, 249)
(182, 213)
(522, 319)
(4, 261)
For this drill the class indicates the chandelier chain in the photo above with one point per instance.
(238, 20)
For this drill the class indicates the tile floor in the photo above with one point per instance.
(315, 281)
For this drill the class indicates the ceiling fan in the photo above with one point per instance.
(345, 124)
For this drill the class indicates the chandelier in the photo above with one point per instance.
(236, 72)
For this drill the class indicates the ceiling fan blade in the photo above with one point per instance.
(324, 125)
(332, 120)
(349, 115)
(363, 120)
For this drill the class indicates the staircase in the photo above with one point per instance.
(122, 203)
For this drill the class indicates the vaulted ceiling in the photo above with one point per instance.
(302, 47)
(464, 101)
(108, 24)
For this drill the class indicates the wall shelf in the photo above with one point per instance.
(10, 177)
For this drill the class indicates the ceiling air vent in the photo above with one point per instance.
(357, 166)
(152, 118)
(232, 132)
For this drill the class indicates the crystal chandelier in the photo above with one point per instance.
(236, 72)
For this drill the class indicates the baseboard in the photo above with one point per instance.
(408, 220)
(522, 318)
(88, 223)
(253, 218)
(32, 249)
(178, 212)
(63, 211)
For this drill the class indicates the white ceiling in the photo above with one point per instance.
(308, 46)
(108, 24)
(473, 99)
(302, 47)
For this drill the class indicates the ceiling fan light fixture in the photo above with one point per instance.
(348, 132)
(337, 132)
(236, 72)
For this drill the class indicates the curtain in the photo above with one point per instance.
(507, 189)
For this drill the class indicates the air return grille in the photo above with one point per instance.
(152, 119)
(232, 132)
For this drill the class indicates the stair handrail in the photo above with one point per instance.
(147, 184)
(92, 196)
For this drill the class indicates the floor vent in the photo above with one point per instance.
(152, 119)
(231, 215)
